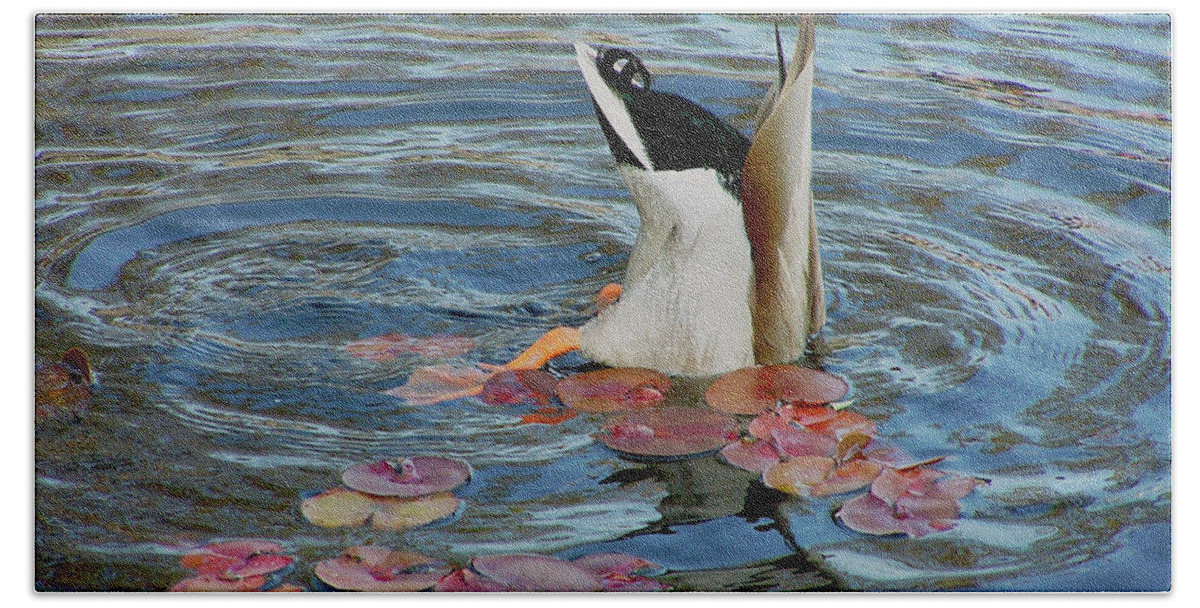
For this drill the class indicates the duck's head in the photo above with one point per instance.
(653, 130)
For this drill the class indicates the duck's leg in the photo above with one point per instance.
(558, 341)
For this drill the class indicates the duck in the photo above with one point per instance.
(725, 272)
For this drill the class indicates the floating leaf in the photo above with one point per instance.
(379, 569)
(669, 432)
(756, 455)
(536, 573)
(519, 387)
(216, 584)
(437, 383)
(238, 558)
(915, 501)
(549, 416)
(63, 390)
(794, 441)
(754, 390)
(847, 477)
(390, 346)
(342, 507)
(407, 477)
(622, 573)
(614, 389)
(797, 475)
(845, 423)
(466, 580)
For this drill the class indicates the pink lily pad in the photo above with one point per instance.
(216, 584)
(518, 387)
(379, 569)
(797, 475)
(390, 346)
(793, 442)
(750, 454)
(847, 477)
(669, 432)
(614, 389)
(466, 580)
(536, 573)
(754, 390)
(436, 383)
(621, 572)
(342, 507)
(915, 501)
(845, 423)
(238, 558)
(407, 477)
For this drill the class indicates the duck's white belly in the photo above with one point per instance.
(685, 304)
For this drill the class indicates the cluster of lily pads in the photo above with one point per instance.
(801, 439)
(238, 565)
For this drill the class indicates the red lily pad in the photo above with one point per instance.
(341, 507)
(845, 423)
(238, 558)
(216, 584)
(390, 346)
(466, 580)
(915, 501)
(669, 432)
(794, 442)
(615, 389)
(519, 387)
(379, 569)
(753, 390)
(407, 477)
(537, 573)
(621, 572)
(751, 454)
(436, 383)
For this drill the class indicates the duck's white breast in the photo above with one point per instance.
(685, 307)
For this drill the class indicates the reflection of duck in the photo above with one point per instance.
(64, 388)
(725, 272)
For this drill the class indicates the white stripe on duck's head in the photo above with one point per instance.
(654, 130)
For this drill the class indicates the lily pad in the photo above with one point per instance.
(915, 501)
(623, 573)
(756, 455)
(436, 383)
(342, 507)
(407, 477)
(467, 580)
(669, 432)
(239, 558)
(614, 389)
(217, 584)
(753, 390)
(379, 569)
(519, 387)
(537, 573)
(845, 423)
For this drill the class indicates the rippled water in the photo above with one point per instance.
(223, 202)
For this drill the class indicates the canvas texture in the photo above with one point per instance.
(529, 303)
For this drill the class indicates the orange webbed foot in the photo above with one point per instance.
(435, 384)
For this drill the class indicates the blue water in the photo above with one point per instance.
(223, 202)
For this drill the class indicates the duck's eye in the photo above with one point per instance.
(623, 71)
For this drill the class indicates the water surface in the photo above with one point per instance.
(224, 201)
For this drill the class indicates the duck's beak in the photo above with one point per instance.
(610, 106)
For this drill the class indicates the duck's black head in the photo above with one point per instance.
(654, 130)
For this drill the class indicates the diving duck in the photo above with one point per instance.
(725, 272)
